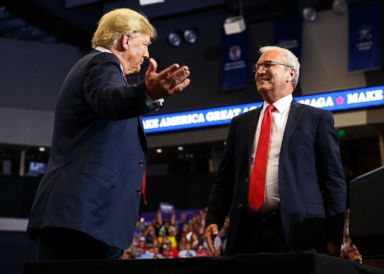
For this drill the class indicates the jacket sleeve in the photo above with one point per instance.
(108, 93)
(331, 177)
(220, 197)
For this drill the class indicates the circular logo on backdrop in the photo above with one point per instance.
(365, 32)
(234, 53)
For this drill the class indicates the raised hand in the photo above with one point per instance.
(167, 82)
(209, 233)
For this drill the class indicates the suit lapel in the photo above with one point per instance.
(251, 131)
(294, 117)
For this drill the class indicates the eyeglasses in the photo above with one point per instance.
(268, 64)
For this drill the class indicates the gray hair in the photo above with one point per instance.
(289, 58)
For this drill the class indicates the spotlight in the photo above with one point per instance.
(174, 39)
(159, 150)
(339, 6)
(150, 2)
(309, 14)
(190, 36)
(234, 25)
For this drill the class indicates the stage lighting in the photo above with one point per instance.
(233, 25)
(309, 14)
(150, 2)
(339, 6)
(174, 39)
(190, 36)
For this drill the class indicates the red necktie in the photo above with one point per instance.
(256, 194)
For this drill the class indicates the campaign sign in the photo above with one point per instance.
(288, 34)
(364, 36)
(235, 61)
(333, 101)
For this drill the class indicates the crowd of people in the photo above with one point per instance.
(172, 237)
(166, 236)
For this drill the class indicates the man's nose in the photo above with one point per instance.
(259, 73)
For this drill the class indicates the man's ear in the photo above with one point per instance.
(124, 41)
(291, 75)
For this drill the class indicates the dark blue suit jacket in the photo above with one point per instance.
(98, 156)
(311, 181)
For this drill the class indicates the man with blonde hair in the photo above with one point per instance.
(87, 203)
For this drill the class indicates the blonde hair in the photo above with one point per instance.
(118, 22)
(290, 59)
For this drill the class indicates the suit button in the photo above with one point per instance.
(246, 181)
(240, 205)
(141, 163)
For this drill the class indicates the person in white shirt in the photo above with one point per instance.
(281, 179)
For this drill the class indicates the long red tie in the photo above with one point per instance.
(256, 193)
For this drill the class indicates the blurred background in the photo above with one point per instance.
(339, 44)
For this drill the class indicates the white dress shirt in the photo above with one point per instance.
(279, 121)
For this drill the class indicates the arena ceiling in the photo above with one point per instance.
(73, 21)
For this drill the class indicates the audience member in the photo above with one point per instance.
(190, 240)
(187, 252)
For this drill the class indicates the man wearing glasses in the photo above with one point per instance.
(281, 177)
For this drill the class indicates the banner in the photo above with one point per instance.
(235, 66)
(288, 34)
(333, 101)
(364, 36)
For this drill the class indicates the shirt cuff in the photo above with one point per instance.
(154, 104)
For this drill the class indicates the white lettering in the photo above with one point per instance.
(236, 111)
(212, 116)
(234, 65)
(352, 98)
(151, 123)
(368, 96)
(246, 109)
(319, 102)
(193, 118)
(225, 114)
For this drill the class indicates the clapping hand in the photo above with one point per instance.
(167, 82)
(210, 232)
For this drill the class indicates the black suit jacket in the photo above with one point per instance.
(98, 156)
(311, 183)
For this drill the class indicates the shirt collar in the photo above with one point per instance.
(102, 49)
(282, 104)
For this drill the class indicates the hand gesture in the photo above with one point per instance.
(210, 231)
(167, 82)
